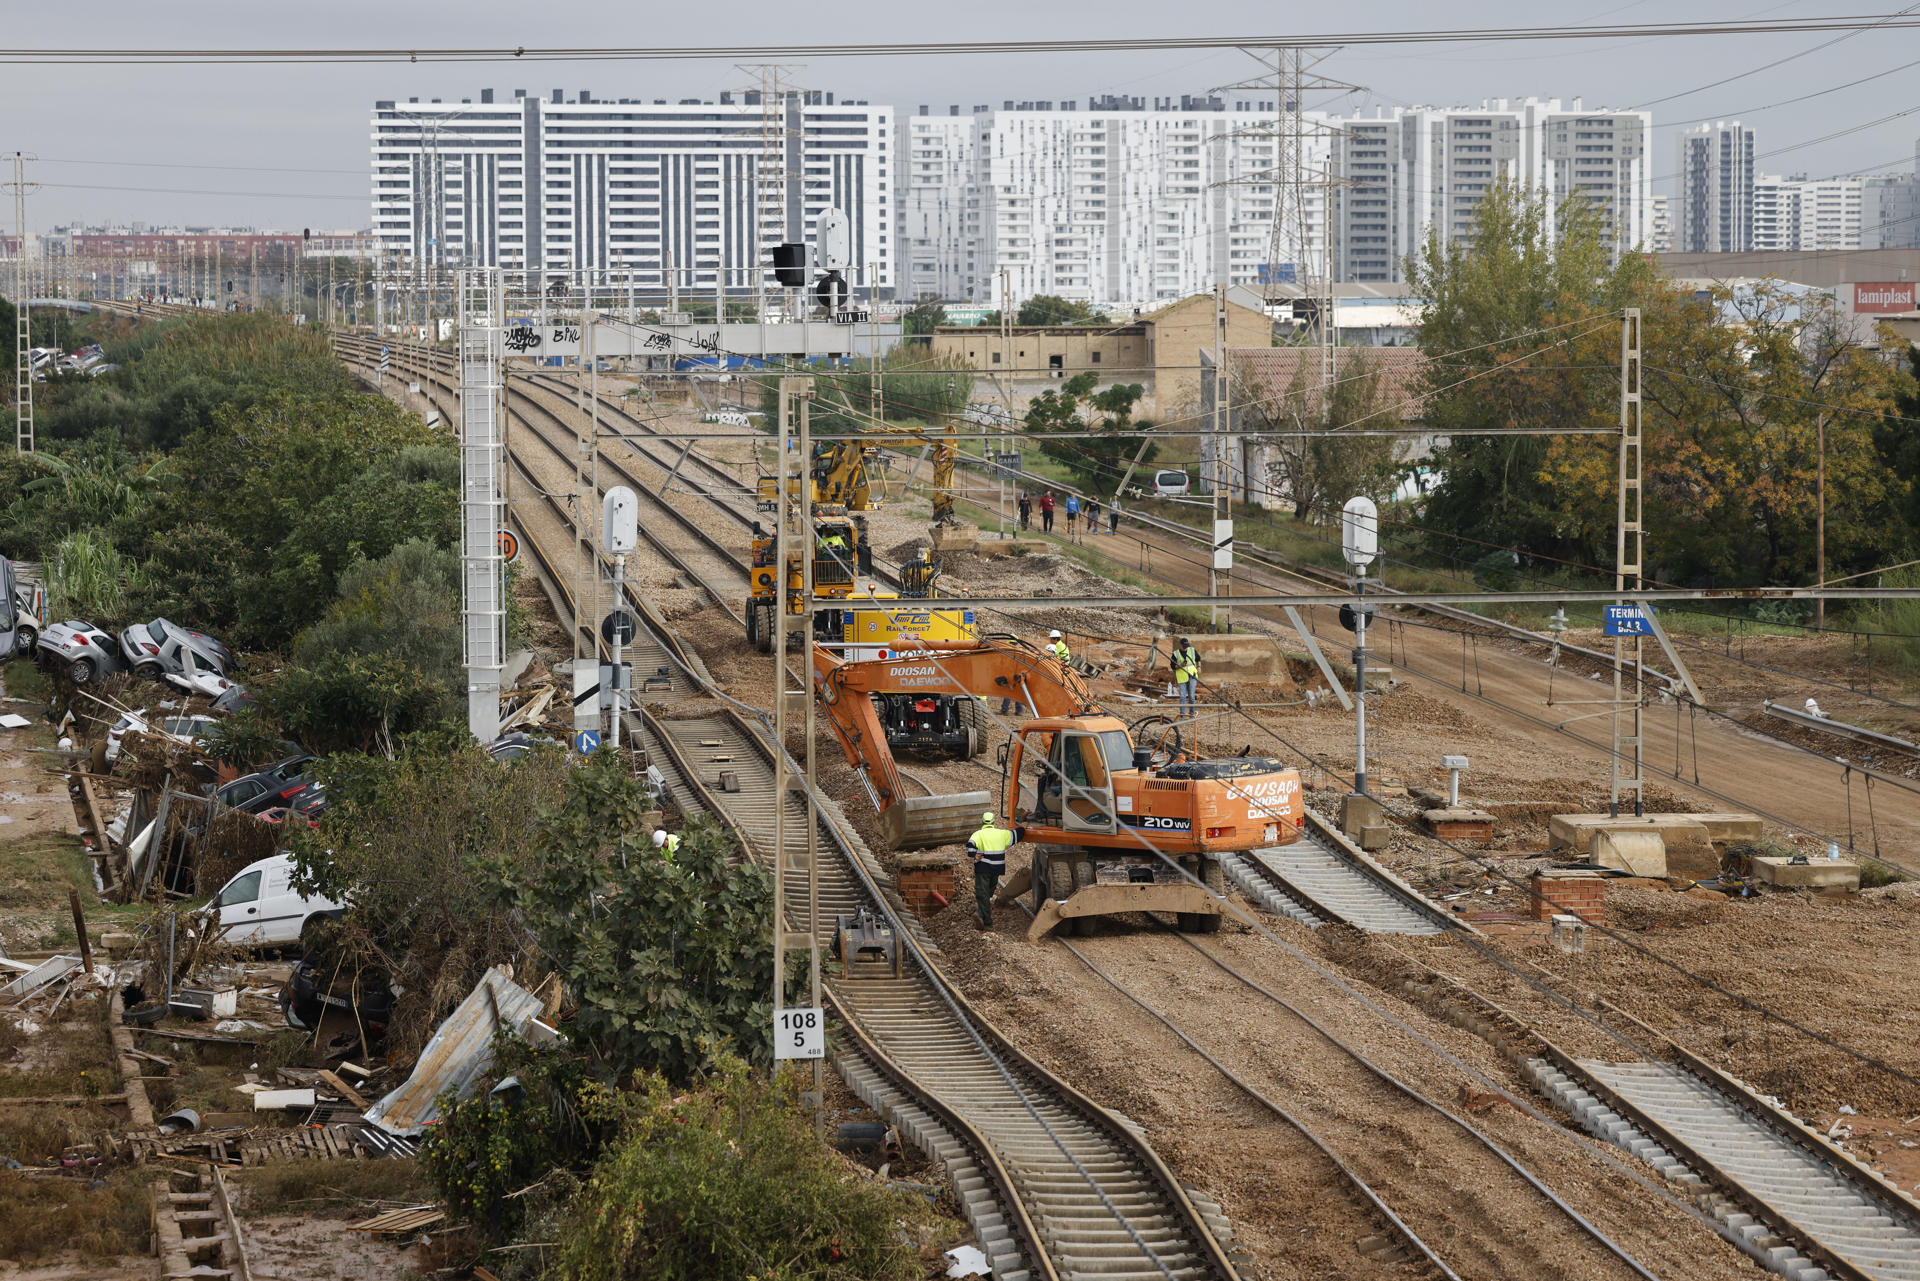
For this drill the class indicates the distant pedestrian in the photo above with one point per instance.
(1093, 515)
(1113, 515)
(1026, 509)
(1073, 514)
(1046, 512)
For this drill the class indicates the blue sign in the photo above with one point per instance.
(1627, 620)
(1278, 273)
(587, 742)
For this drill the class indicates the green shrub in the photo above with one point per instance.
(728, 1180)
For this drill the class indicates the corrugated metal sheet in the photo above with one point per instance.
(461, 1049)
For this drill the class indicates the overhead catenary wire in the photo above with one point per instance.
(788, 52)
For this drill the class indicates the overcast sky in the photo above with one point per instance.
(286, 145)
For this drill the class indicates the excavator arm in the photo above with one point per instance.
(1002, 666)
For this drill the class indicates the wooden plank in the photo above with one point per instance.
(344, 1090)
(204, 1038)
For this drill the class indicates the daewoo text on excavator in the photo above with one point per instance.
(1114, 824)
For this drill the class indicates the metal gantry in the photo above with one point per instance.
(1628, 575)
(482, 569)
(22, 312)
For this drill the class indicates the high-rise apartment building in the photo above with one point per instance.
(1802, 213)
(1890, 209)
(1130, 202)
(1713, 211)
(1416, 172)
(1118, 201)
(1660, 238)
(1776, 213)
(629, 185)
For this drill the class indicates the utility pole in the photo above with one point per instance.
(1629, 562)
(22, 313)
(794, 508)
(1221, 475)
(1820, 520)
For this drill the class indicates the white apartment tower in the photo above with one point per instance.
(1119, 202)
(629, 185)
(1660, 238)
(1802, 213)
(1413, 172)
(1713, 211)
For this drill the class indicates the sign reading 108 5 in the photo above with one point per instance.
(799, 1033)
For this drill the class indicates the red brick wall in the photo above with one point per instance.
(918, 885)
(1582, 896)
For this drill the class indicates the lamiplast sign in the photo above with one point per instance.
(1882, 297)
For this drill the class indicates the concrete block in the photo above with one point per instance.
(1357, 812)
(1577, 830)
(1457, 823)
(1636, 851)
(1814, 874)
(1243, 659)
(1374, 836)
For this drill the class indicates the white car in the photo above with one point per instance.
(181, 729)
(259, 908)
(1171, 484)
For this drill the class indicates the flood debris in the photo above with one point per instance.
(460, 1050)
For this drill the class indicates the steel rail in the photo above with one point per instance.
(1518, 1041)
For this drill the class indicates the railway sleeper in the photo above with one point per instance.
(1746, 1233)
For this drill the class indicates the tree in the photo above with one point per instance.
(417, 846)
(1048, 309)
(1317, 473)
(672, 961)
(923, 317)
(1511, 327)
(1099, 459)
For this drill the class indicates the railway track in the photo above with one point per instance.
(1054, 1185)
(1321, 879)
(1401, 1151)
(1773, 1187)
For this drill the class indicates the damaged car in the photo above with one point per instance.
(162, 649)
(81, 650)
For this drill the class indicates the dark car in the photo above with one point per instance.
(282, 785)
(304, 1002)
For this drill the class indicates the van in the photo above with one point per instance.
(259, 907)
(1170, 484)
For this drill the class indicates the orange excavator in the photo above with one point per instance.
(1116, 826)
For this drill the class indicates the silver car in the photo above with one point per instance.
(158, 649)
(82, 650)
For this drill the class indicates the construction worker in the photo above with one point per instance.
(1186, 675)
(988, 849)
(1056, 647)
(666, 842)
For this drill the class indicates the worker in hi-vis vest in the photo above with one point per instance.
(668, 843)
(988, 849)
(1186, 675)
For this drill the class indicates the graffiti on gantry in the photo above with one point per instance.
(657, 342)
(566, 333)
(709, 343)
(522, 338)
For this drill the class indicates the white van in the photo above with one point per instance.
(259, 908)
(1170, 484)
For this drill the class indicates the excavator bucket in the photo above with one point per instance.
(921, 821)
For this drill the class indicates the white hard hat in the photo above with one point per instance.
(659, 836)
(1053, 635)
